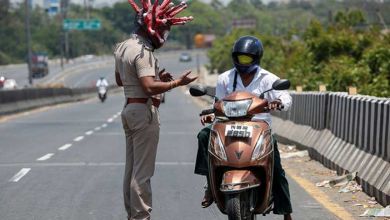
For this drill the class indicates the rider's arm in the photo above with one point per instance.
(283, 96)
(221, 88)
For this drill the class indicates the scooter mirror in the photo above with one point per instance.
(281, 84)
(198, 91)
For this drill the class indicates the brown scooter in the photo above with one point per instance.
(241, 154)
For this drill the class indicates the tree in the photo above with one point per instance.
(257, 3)
(216, 4)
(4, 7)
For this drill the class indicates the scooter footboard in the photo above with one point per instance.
(234, 181)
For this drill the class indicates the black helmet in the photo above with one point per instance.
(247, 53)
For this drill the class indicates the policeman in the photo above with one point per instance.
(248, 76)
(137, 70)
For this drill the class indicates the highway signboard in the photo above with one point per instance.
(81, 24)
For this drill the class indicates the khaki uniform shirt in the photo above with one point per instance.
(134, 59)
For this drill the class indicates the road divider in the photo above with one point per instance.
(13, 101)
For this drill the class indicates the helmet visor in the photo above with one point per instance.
(244, 59)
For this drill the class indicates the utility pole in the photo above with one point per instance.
(86, 7)
(64, 41)
(28, 36)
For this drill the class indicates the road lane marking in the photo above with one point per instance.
(91, 164)
(175, 163)
(64, 147)
(110, 120)
(320, 196)
(19, 175)
(45, 157)
(104, 125)
(89, 132)
(98, 128)
(79, 138)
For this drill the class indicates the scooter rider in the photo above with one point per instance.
(137, 70)
(102, 81)
(248, 76)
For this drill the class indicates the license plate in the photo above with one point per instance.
(239, 131)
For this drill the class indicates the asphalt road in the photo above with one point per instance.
(84, 179)
(67, 162)
(19, 72)
(83, 72)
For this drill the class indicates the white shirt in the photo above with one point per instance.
(262, 81)
(101, 82)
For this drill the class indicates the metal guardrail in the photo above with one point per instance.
(360, 120)
(345, 133)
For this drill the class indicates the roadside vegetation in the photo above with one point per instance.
(333, 43)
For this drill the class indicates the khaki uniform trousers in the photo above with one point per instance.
(141, 125)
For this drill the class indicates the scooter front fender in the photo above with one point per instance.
(235, 181)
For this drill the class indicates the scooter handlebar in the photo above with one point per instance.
(207, 112)
(266, 109)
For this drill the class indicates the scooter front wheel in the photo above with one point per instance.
(233, 205)
(237, 208)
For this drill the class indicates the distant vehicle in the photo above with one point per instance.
(39, 65)
(2, 79)
(102, 93)
(9, 84)
(185, 57)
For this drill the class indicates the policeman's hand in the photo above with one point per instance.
(275, 105)
(165, 76)
(185, 79)
(207, 119)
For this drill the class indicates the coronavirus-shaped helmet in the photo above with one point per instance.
(156, 19)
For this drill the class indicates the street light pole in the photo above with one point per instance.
(28, 35)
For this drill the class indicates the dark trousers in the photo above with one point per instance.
(280, 191)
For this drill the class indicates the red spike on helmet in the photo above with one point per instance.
(157, 19)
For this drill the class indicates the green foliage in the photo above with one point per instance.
(338, 56)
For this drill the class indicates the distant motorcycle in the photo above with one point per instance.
(241, 154)
(102, 93)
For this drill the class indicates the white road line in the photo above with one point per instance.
(66, 146)
(47, 156)
(174, 163)
(79, 138)
(110, 120)
(104, 125)
(89, 132)
(81, 164)
(97, 128)
(19, 175)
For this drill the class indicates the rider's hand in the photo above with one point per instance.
(165, 76)
(275, 105)
(207, 119)
(185, 79)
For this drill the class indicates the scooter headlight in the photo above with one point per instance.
(236, 108)
(216, 146)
